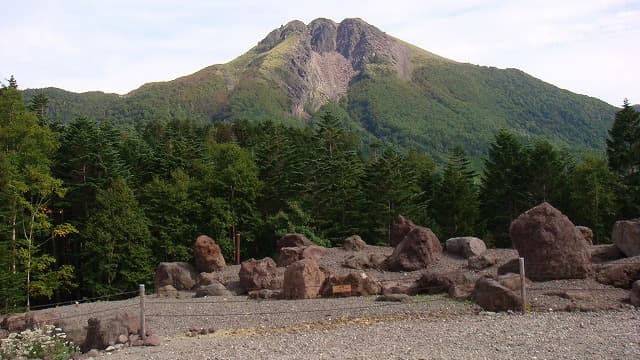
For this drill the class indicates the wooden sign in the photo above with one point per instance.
(341, 289)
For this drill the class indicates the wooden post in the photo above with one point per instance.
(143, 330)
(237, 248)
(523, 284)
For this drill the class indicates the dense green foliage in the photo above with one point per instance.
(107, 202)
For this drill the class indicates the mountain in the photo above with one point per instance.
(383, 87)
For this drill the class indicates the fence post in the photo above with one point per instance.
(237, 248)
(523, 284)
(143, 331)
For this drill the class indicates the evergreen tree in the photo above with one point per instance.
(39, 106)
(623, 152)
(335, 187)
(548, 173)
(456, 200)
(116, 256)
(593, 196)
(172, 208)
(391, 189)
(503, 194)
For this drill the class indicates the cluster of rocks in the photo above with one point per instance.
(552, 246)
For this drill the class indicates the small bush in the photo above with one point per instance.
(48, 341)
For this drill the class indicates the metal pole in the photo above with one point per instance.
(523, 283)
(237, 248)
(143, 332)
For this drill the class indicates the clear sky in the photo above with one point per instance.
(586, 46)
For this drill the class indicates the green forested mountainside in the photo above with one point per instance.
(389, 89)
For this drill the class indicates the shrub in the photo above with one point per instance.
(48, 341)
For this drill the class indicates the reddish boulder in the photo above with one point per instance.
(400, 229)
(205, 278)
(29, 320)
(402, 286)
(481, 261)
(455, 283)
(587, 233)
(550, 244)
(634, 296)
(180, 275)
(496, 295)
(289, 255)
(604, 253)
(466, 246)
(361, 284)
(417, 250)
(292, 240)
(354, 243)
(626, 236)
(259, 274)
(213, 289)
(102, 333)
(619, 274)
(314, 252)
(511, 266)
(207, 255)
(302, 280)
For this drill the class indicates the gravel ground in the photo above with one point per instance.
(427, 327)
(564, 335)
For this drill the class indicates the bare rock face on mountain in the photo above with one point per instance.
(550, 244)
(419, 248)
(207, 254)
(626, 236)
(325, 57)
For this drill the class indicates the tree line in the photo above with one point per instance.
(89, 208)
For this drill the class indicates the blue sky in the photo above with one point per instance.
(589, 47)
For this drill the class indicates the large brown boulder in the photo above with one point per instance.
(259, 274)
(207, 255)
(360, 284)
(466, 246)
(498, 294)
(417, 250)
(302, 280)
(604, 253)
(100, 333)
(354, 243)
(619, 274)
(180, 275)
(400, 229)
(292, 240)
(550, 244)
(626, 236)
(289, 255)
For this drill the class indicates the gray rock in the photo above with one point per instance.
(466, 246)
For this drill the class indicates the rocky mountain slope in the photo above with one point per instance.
(383, 88)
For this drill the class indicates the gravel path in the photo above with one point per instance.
(595, 335)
